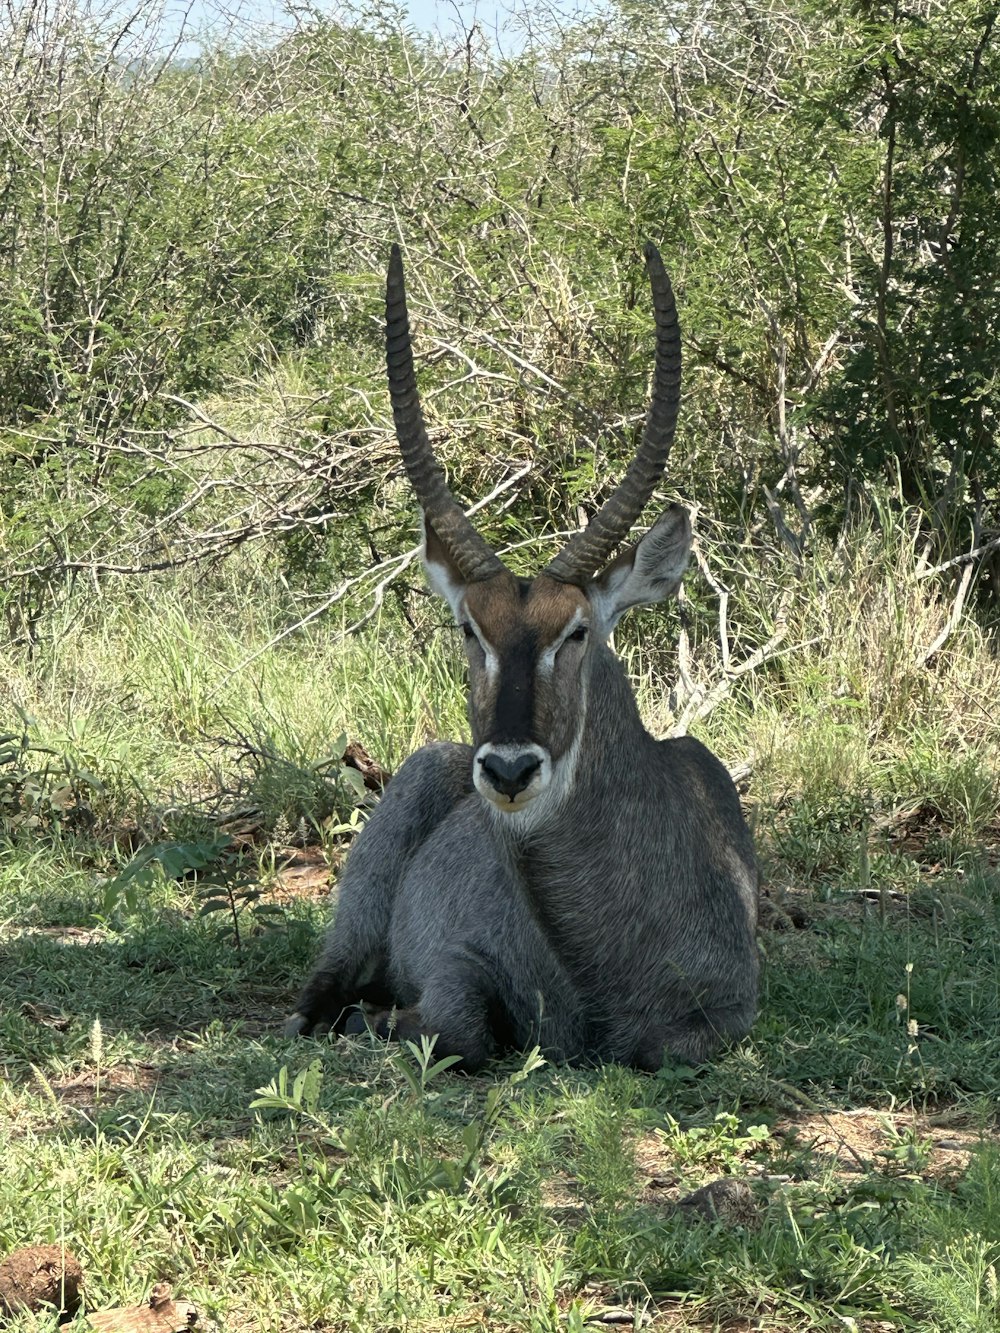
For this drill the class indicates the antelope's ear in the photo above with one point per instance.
(442, 573)
(649, 571)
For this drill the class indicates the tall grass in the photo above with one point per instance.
(848, 711)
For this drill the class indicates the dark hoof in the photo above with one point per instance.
(358, 1023)
(301, 1025)
(389, 1024)
(297, 1025)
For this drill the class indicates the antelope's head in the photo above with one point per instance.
(532, 643)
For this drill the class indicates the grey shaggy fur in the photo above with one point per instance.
(613, 918)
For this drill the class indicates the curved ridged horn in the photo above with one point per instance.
(470, 552)
(587, 551)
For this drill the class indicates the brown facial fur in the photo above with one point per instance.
(520, 701)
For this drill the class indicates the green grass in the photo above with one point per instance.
(153, 1120)
(370, 1191)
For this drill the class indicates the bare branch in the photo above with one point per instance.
(954, 617)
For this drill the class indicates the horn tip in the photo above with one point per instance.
(654, 261)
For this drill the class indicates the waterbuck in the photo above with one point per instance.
(566, 879)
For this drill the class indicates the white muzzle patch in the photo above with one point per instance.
(510, 777)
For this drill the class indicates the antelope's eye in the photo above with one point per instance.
(578, 635)
(467, 630)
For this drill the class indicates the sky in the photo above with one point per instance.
(443, 16)
(428, 14)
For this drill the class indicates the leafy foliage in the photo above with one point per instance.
(43, 790)
(821, 179)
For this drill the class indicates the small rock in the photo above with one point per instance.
(620, 1316)
(724, 1200)
(783, 915)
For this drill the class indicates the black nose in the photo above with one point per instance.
(510, 776)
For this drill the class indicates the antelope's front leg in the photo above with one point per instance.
(455, 1009)
(354, 965)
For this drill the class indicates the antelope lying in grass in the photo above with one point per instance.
(566, 879)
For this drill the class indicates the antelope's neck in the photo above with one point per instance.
(601, 772)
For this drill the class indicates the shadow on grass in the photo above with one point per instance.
(176, 1006)
(151, 1041)
(908, 1006)
(854, 1008)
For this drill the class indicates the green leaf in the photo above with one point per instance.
(353, 779)
(307, 1085)
(215, 905)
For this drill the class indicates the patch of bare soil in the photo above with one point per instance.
(612, 1312)
(663, 1181)
(912, 831)
(862, 1140)
(85, 1090)
(561, 1197)
(678, 1317)
(65, 934)
(303, 872)
(917, 833)
(791, 911)
(842, 1143)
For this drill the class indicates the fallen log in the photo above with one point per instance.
(160, 1314)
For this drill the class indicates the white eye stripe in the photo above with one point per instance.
(492, 661)
(547, 660)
